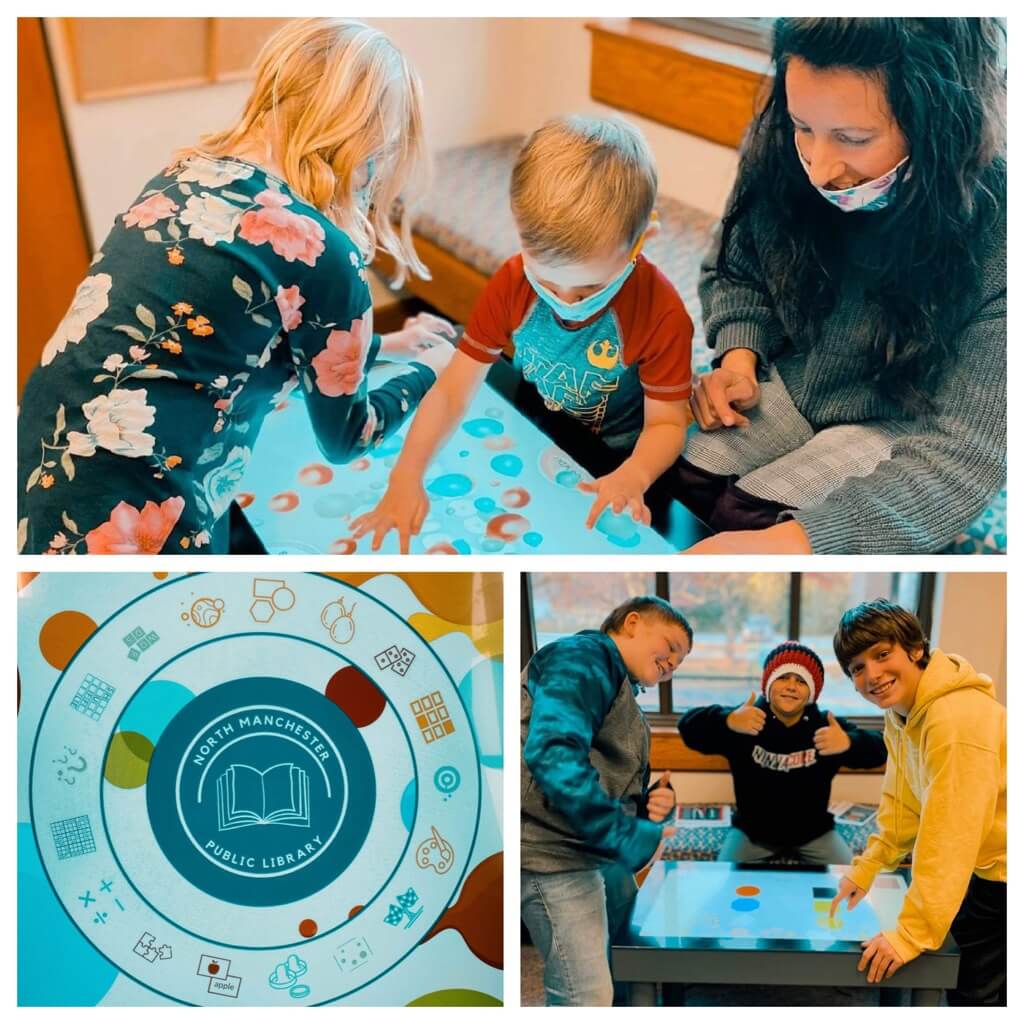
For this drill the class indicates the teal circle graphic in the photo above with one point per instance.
(260, 791)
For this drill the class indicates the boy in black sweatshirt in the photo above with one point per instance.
(783, 751)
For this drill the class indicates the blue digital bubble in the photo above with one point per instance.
(483, 427)
(567, 478)
(507, 465)
(485, 504)
(745, 904)
(532, 538)
(451, 485)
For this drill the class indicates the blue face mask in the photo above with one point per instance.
(362, 195)
(577, 312)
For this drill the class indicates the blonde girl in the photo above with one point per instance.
(237, 274)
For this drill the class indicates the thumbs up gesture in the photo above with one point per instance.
(746, 718)
(830, 739)
(661, 798)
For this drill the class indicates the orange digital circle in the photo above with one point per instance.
(316, 474)
(284, 502)
(62, 635)
(507, 526)
(442, 548)
(747, 890)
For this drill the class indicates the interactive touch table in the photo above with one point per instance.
(718, 923)
(500, 485)
(242, 790)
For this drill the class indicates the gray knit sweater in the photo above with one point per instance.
(943, 472)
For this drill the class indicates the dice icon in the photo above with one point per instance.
(352, 955)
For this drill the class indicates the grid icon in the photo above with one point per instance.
(72, 837)
(432, 717)
(92, 697)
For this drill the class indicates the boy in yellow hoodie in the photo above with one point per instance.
(944, 798)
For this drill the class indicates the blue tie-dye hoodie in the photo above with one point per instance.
(585, 759)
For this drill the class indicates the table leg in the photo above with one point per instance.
(643, 993)
(925, 996)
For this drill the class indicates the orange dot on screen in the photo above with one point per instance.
(355, 910)
(747, 890)
(308, 928)
(62, 635)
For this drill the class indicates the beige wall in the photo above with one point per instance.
(483, 77)
(971, 621)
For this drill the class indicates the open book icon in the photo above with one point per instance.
(277, 796)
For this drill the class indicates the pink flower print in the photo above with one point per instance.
(291, 235)
(339, 367)
(149, 211)
(288, 301)
(137, 352)
(130, 531)
(272, 198)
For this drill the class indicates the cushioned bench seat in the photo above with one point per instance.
(701, 840)
(464, 232)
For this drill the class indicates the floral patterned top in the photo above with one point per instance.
(213, 296)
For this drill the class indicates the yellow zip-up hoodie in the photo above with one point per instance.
(944, 797)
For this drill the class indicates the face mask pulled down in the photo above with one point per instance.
(867, 197)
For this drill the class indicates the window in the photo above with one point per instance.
(755, 33)
(565, 603)
(737, 619)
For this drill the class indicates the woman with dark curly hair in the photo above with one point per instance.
(856, 297)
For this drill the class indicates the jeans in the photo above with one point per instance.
(979, 929)
(828, 848)
(571, 916)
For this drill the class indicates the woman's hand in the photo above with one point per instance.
(403, 508)
(786, 538)
(719, 395)
(419, 333)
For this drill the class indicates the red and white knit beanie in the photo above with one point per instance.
(793, 658)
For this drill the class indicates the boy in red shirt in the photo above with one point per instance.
(597, 328)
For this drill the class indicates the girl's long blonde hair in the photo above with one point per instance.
(331, 94)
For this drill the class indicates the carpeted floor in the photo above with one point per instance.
(532, 991)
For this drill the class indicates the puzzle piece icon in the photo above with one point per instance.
(146, 947)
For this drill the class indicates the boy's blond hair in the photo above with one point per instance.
(330, 94)
(581, 187)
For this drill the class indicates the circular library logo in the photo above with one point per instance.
(260, 791)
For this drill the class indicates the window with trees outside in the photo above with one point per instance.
(737, 619)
